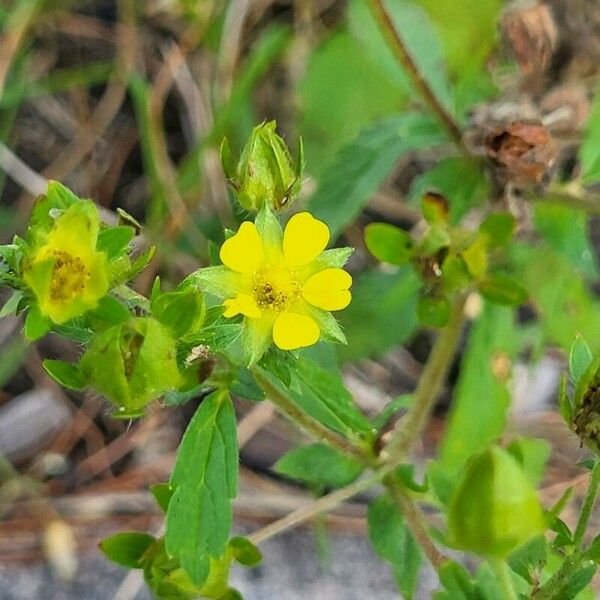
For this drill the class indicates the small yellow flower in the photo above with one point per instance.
(284, 284)
(65, 272)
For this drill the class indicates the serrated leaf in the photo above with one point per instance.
(530, 558)
(388, 243)
(67, 374)
(580, 358)
(393, 542)
(205, 481)
(127, 548)
(320, 465)
(114, 241)
(363, 164)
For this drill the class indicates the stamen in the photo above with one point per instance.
(69, 277)
(275, 289)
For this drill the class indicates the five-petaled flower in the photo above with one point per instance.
(65, 272)
(283, 283)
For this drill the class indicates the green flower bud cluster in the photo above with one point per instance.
(450, 259)
(265, 172)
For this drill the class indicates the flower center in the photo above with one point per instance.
(69, 276)
(275, 289)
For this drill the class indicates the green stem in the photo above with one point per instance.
(416, 522)
(553, 588)
(502, 572)
(588, 505)
(404, 57)
(573, 195)
(306, 422)
(430, 384)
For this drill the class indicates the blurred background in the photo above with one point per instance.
(127, 102)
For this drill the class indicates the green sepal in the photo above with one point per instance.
(66, 374)
(128, 548)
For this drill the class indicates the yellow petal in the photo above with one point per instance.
(304, 239)
(292, 331)
(242, 304)
(328, 289)
(243, 252)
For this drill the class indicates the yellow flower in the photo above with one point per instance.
(65, 272)
(283, 283)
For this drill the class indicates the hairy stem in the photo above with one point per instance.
(306, 422)
(588, 505)
(416, 522)
(403, 55)
(430, 383)
(572, 195)
(311, 510)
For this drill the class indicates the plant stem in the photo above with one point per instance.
(416, 522)
(430, 383)
(305, 421)
(502, 572)
(402, 54)
(572, 195)
(588, 505)
(310, 510)
(552, 589)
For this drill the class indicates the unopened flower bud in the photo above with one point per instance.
(265, 172)
(132, 364)
(495, 509)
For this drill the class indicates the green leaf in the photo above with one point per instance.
(468, 31)
(205, 480)
(580, 358)
(462, 181)
(503, 289)
(244, 551)
(388, 243)
(182, 311)
(393, 542)
(576, 582)
(417, 33)
(481, 397)
(11, 305)
(337, 97)
(372, 321)
(498, 228)
(557, 290)
(532, 454)
(320, 465)
(434, 311)
(363, 164)
(36, 326)
(162, 492)
(530, 558)
(67, 374)
(127, 548)
(111, 311)
(589, 151)
(457, 583)
(566, 230)
(114, 241)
